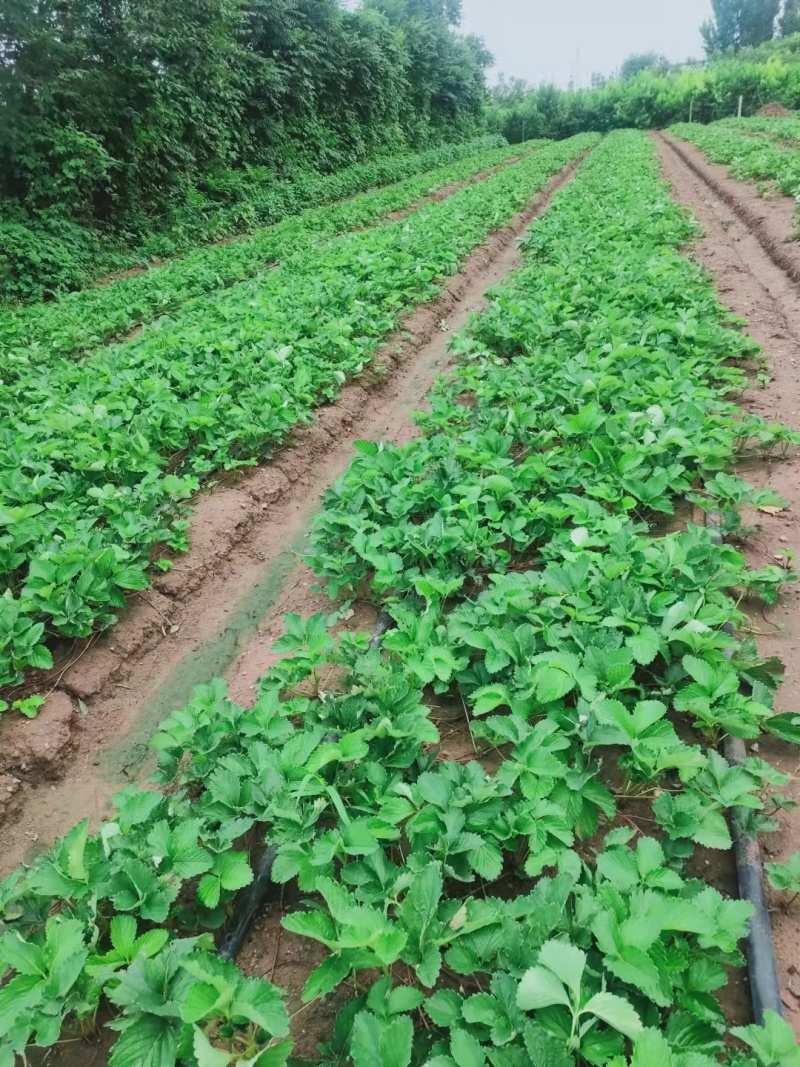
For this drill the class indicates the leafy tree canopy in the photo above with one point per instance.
(739, 24)
(114, 111)
(643, 61)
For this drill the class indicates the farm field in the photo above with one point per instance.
(774, 165)
(499, 833)
(83, 320)
(135, 427)
(775, 127)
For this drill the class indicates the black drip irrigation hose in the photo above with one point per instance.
(248, 905)
(762, 968)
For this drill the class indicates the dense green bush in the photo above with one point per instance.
(148, 118)
(46, 252)
(652, 98)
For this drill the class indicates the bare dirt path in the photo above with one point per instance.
(221, 606)
(770, 219)
(751, 280)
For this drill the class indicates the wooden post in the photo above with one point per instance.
(691, 109)
(741, 100)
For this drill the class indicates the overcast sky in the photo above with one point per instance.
(555, 40)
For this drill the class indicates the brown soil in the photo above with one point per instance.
(774, 110)
(771, 220)
(220, 607)
(752, 281)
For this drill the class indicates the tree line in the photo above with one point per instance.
(114, 110)
(737, 24)
(753, 52)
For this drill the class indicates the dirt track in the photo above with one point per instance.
(221, 606)
(745, 250)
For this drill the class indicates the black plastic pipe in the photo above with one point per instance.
(762, 967)
(249, 904)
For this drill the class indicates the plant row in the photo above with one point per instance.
(536, 905)
(70, 255)
(83, 320)
(748, 158)
(99, 455)
(779, 128)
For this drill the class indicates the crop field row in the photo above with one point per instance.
(779, 128)
(232, 204)
(538, 903)
(83, 320)
(748, 158)
(99, 453)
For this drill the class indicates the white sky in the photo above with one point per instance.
(554, 40)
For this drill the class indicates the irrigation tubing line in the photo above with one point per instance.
(762, 968)
(248, 905)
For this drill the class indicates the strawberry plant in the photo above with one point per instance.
(785, 877)
(79, 322)
(748, 158)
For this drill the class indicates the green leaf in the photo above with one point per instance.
(487, 861)
(273, 1056)
(539, 988)
(17, 998)
(233, 870)
(123, 934)
(786, 727)
(566, 962)
(444, 1007)
(465, 1050)
(404, 998)
(380, 1042)
(151, 1041)
(616, 1012)
(205, 1053)
(544, 1049)
(774, 1043)
(644, 645)
(551, 683)
(209, 890)
(713, 832)
(618, 866)
(261, 1002)
(652, 1050)
(200, 1000)
(418, 915)
(481, 1008)
(785, 876)
(22, 956)
(489, 697)
(324, 979)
